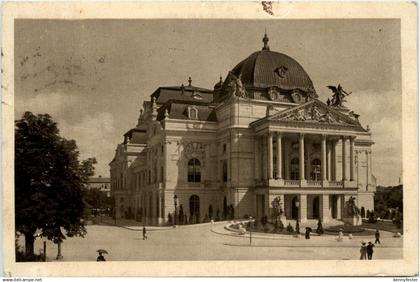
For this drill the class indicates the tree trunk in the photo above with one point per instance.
(59, 255)
(29, 243)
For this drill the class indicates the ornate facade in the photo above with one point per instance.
(260, 138)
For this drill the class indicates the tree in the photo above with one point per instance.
(49, 180)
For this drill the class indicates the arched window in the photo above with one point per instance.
(194, 171)
(192, 113)
(225, 171)
(294, 169)
(316, 169)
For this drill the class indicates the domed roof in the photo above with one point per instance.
(266, 68)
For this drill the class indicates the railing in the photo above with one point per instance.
(335, 184)
(291, 182)
(314, 183)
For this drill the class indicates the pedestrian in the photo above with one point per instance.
(144, 233)
(308, 233)
(363, 251)
(100, 257)
(369, 250)
(377, 235)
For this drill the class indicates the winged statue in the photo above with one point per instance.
(338, 96)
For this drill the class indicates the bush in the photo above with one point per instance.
(320, 229)
(264, 220)
(246, 216)
(289, 228)
(372, 217)
(20, 256)
(398, 221)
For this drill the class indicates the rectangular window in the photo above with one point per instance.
(161, 174)
(224, 148)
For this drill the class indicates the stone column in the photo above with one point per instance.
(351, 158)
(343, 140)
(308, 162)
(303, 207)
(328, 160)
(256, 158)
(263, 158)
(326, 212)
(338, 204)
(369, 169)
(302, 156)
(286, 159)
(323, 157)
(279, 156)
(270, 156)
(333, 161)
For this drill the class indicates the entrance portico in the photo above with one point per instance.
(305, 158)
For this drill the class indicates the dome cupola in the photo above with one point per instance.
(266, 71)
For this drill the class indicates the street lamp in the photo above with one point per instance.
(175, 204)
(251, 221)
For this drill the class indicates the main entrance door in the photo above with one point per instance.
(295, 208)
(194, 209)
(315, 208)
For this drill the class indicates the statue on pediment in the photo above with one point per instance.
(338, 96)
(328, 118)
(315, 113)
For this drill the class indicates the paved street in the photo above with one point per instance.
(210, 242)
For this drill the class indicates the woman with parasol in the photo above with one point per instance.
(101, 257)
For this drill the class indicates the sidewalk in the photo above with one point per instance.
(269, 239)
(138, 226)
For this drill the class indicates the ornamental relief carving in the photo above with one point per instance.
(313, 113)
(194, 150)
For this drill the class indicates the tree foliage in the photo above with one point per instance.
(49, 180)
(388, 199)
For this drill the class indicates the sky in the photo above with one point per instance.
(92, 76)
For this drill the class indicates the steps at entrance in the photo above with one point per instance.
(312, 223)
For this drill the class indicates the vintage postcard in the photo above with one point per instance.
(210, 139)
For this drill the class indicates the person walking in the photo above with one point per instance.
(363, 251)
(377, 235)
(369, 250)
(308, 233)
(144, 233)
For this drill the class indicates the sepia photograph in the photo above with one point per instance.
(209, 139)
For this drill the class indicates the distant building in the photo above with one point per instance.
(101, 183)
(261, 136)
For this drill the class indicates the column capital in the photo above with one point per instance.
(343, 137)
(270, 134)
(324, 136)
(279, 134)
(301, 135)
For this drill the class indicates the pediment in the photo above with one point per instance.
(315, 111)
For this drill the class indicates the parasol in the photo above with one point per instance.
(102, 251)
